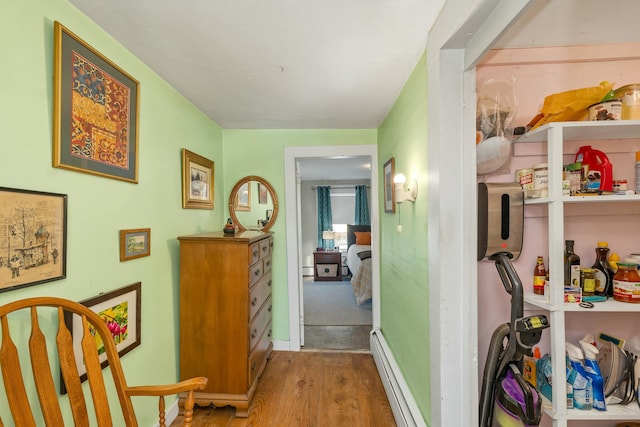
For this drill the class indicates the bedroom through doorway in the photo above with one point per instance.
(337, 313)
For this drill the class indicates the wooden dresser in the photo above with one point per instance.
(225, 314)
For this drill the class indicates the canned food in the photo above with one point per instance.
(606, 110)
(524, 177)
(630, 96)
(541, 178)
(619, 185)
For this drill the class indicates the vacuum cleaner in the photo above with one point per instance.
(506, 399)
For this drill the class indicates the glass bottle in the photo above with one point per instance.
(539, 276)
(625, 282)
(588, 281)
(571, 266)
(603, 272)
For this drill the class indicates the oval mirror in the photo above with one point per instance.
(253, 204)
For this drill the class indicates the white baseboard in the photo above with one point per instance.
(404, 408)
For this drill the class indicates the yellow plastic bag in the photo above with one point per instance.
(571, 105)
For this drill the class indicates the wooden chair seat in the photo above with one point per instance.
(21, 396)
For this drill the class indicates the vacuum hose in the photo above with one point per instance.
(494, 357)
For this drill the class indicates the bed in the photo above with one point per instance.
(359, 260)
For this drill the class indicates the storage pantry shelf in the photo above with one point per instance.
(586, 131)
(613, 412)
(540, 302)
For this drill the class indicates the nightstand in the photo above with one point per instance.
(327, 266)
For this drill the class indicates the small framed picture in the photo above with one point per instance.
(135, 243)
(389, 194)
(197, 181)
(120, 309)
(243, 197)
(262, 194)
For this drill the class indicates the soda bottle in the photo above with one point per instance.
(539, 276)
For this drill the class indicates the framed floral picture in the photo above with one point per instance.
(120, 310)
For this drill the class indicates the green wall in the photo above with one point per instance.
(99, 207)
(403, 271)
(261, 152)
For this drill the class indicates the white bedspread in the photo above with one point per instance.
(361, 269)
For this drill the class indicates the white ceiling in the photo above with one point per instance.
(323, 64)
(276, 64)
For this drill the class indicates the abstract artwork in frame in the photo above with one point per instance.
(120, 310)
(389, 194)
(95, 111)
(135, 243)
(197, 181)
(33, 237)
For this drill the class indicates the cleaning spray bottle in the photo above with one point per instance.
(592, 370)
(577, 377)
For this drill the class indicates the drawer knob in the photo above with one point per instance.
(254, 301)
(268, 263)
(269, 308)
(254, 333)
(269, 285)
(255, 253)
(256, 273)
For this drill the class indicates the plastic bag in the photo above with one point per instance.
(495, 110)
(571, 105)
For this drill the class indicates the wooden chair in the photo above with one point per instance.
(19, 394)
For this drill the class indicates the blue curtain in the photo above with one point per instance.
(362, 206)
(325, 222)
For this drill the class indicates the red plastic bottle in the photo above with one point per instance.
(598, 162)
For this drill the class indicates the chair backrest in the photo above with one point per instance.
(18, 394)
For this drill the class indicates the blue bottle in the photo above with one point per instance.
(592, 370)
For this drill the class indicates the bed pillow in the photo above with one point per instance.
(363, 237)
(364, 254)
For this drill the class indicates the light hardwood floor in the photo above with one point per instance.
(312, 389)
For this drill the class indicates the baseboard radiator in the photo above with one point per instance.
(405, 410)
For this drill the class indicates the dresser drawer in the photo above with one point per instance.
(266, 264)
(259, 323)
(259, 294)
(265, 247)
(259, 355)
(255, 273)
(254, 253)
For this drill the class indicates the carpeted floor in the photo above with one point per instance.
(333, 303)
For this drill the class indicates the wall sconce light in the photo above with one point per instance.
(328, 235)
(405, 193)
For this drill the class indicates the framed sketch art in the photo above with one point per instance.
(95, 111)
(120, 310)
(389, 193)
(243, 197)
(197, 181)
(33, 237)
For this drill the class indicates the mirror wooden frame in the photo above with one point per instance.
(232, 202)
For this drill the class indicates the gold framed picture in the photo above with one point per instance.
(197, 181)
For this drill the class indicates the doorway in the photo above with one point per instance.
(295, 243)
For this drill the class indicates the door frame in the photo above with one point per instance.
(293, 230)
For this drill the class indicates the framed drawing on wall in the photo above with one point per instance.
(95, 111)
(33, 233)
(389, 194)
(120, 310)
(197, 181)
